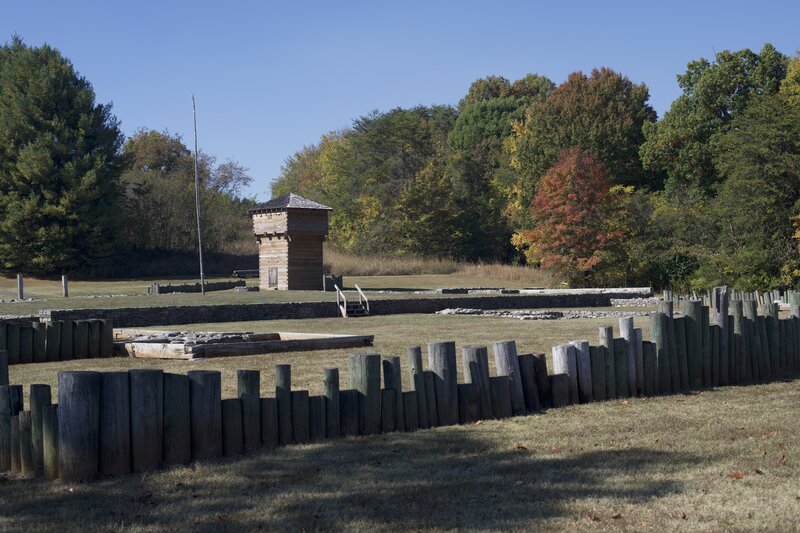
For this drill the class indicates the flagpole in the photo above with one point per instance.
(197, 202)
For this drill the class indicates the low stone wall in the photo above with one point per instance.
(131, 317)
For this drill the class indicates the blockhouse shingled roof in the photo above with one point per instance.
(288, 201)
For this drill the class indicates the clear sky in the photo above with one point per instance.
(270, 77)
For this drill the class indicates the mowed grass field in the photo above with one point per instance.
(46, 293)
(724, 459)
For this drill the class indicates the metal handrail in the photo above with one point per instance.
(343, 303)
(362, 298)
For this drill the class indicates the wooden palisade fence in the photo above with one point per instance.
(114, 423)
(29, 341)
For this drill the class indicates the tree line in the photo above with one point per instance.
(582, 178)
(77, 196)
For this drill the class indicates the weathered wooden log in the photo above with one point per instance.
(559, 390)
(714, 331)
(332, 416)
(365, 377)
(542, 379)
(80, 339)
(773, 335)
(639, 356)
(66, 348)
(301, 422)
(39, 348)
(177, 434)
(584, 365)
(627, 333)
(115, 423)
(283, 395)
(15, 393)
(475, 360)
(621, 367)
(232, 434)
(106, 337)
(392, 379)
(598, 360)
(650, 367)
(348, 401)
(564, 362)
(318, 418)
(388, 415)
(742, 357)
(411, 410)
(14, 437)
(527, 372)
(50, 441)
(93, 346)
(248, 388)
(507, 364)
(674, 363)
(680, 343)
(414, 356)
(147, 419)
(606, 338)
(269, 423)
(40, 398)
(500, 387)
(53, 340)
(12, 342)
(429, 380)
(705, 326)
(753, 339)
(78, 425)
(3, 335)
(3, 367)
(765, 363)
(693, 323)
(733, 355)
(25, 345)
(5, 428)
(469, 403)
(442, 361)
(25, 449)
(666, 307)
(205, 388)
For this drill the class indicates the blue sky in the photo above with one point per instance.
(270, 77)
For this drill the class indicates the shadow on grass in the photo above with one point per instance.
(446, 478)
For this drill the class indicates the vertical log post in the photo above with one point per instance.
(26, 343)
(527, 372)
(3, 366)
(564, 362)
(475, 360)
(78, 425)
(301, 423)
(442, 361)
(559, 390)
(177, 415)
(507, 364)
(693, 322)
(39, 330)
(414, 357)
(680, 343)
(411, 410)
(50, 441)
(598, 361)
(469, 403)
(147, 419)
(705, 326)
(621, 367)
(5, 428)
(318, 418)
(332, 417)
(388, 403)
(53, 340)
(64, 286)
(25, 449)
(232, 434)
(12, 342)
(501, 396)
(606, 338)
(650, 362)
(392, 379)
(248, 388)
(205, 388)
(348, 401)
(430, 398)
(115, 423)
(584, 365)
(66, 347)
(269, 423)
(14, 438)
(80, 340)
(542, 379)
(639, 357)
(283, 395)
(626, 332)
(365, 377)
(106, 337)
(40, 398)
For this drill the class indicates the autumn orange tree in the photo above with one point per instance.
(578, 229)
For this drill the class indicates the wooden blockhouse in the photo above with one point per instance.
(290, 231)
